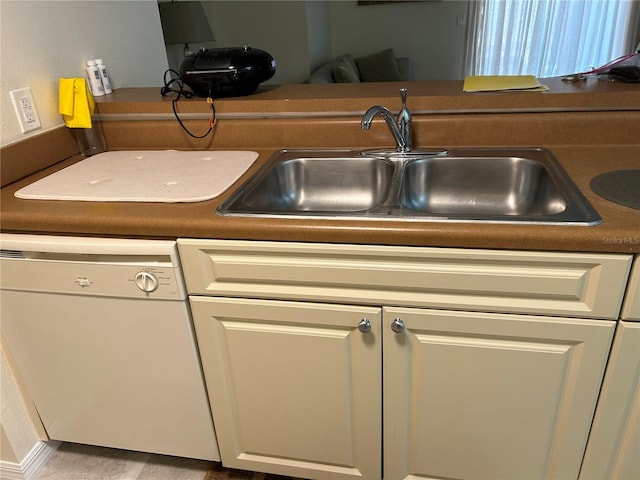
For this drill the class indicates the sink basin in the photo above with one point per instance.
(310, 184)
(480, 186)
(493, 185)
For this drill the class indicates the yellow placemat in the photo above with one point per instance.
(495, 83)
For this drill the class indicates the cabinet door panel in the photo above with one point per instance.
(613, 451)
(537, 283)
(295, 388)
(489, 396)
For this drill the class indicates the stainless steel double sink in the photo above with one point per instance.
(514, 185)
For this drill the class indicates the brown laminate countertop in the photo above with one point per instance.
(619, 231)
(591, 127)
(423, 96)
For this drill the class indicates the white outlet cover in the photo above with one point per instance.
(25, 109)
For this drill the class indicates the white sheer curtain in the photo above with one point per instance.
(548, 38)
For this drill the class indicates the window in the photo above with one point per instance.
(549, 38)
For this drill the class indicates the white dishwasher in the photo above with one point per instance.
(101, 336)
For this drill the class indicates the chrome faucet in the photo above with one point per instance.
(400, 127)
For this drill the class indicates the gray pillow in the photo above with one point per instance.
(344, 72)
(379, 67)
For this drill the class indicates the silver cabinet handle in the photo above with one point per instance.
(397, 325)
(364, 325)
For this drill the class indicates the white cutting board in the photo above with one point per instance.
(144, 176)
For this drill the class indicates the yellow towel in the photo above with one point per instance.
(75, 102)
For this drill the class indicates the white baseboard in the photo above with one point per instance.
(27, 468)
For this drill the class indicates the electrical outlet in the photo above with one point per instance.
(25, 109)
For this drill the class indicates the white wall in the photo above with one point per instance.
(15, 424)
(42, 41)
(278, 27)
(427, 32)
(302, 34)
(319, 32)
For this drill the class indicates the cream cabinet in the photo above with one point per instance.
(631, 307)
(613, 451)
(341, 361)
(538, 283)
(489, 396)
(295, 388)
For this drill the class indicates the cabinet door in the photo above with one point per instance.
(295, 388)
(489, 396)
(631, 307)
(613, 451)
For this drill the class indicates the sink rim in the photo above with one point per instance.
(579, 211)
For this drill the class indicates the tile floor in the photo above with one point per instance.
(84, 462)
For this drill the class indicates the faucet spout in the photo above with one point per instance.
(401, 130)
(384, 112)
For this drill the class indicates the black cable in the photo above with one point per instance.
(168, 88)
(178, 81)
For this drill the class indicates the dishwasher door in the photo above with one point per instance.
(106, 370)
